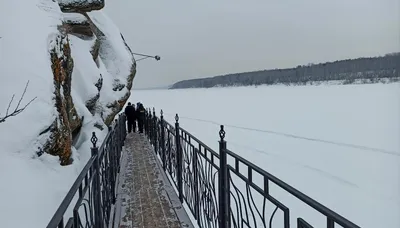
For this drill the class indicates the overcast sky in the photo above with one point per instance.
(206, 38)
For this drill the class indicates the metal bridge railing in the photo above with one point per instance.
(93, 193)
(223, 189)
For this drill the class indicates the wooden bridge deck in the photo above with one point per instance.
(145, 198)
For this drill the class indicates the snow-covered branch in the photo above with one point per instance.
(17, 109)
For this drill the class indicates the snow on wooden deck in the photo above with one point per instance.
(145, 198)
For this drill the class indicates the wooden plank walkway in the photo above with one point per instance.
(145, 198)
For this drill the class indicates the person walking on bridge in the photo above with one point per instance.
(130, 114)
(134, 119)
(141, 115)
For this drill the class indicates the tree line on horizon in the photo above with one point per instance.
(369, 70)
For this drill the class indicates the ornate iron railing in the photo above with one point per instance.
(226, 194)
(93, 193)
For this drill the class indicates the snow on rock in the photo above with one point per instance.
(116, 64)
(85, 74)
(74, 17)
(77, 24)
(80, 81)
(81, 6)
(68, 121)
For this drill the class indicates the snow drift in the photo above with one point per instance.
(80, 73)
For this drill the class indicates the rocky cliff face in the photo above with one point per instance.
(77, 23)
(68, 120)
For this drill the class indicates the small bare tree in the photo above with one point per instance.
(17, 109)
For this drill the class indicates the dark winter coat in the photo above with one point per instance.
(130, 113)
(141, 113)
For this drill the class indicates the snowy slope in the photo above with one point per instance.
(353, 169)
(33, 187)
(25, 56)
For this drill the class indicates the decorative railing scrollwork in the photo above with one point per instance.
(223, 194)
(95, 187)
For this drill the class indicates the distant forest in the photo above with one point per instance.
(364, 70)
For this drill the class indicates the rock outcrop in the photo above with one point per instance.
(68, 121)
(80, 6)
(68, 124)
(79, 28)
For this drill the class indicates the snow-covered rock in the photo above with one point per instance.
(81, 6)
(80, 73)
(67, 121)
(77, 26)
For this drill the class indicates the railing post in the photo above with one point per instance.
(155, 128)
(121, 129)
(146, 123)
(162, 132)
(330, 223)
(118, 136)
(149, 124)
(117, 131)
(119, 141)
(222, 181)
(124, 126)
(178, 158)
(96, 183)
(113, 166)
(151, 127)
(169, 157)
(114, 137)
(196, 184)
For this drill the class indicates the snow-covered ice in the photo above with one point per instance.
(355, 170)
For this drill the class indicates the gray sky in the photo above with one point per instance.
(213, 37)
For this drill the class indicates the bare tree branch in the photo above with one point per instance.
(9, 104)
(17, 109)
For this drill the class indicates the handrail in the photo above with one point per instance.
(205, 181)
(96, 183)
(57, 217)
(301, 196)
(200, 142)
